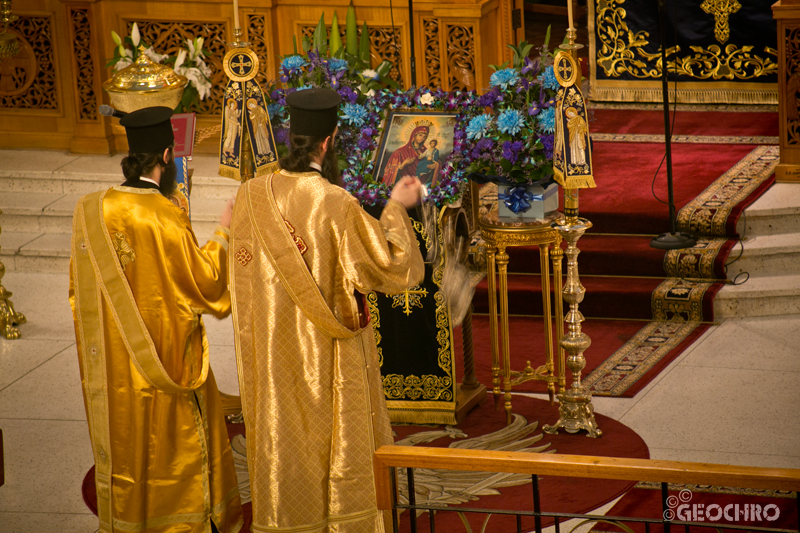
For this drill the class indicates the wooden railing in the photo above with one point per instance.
(388, 458)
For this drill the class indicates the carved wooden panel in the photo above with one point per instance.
(84, 66)
(792, 84)
(384, 45)
(169, 37)
(461, 57)
(256, 35)
(433, 53)
(28, 79)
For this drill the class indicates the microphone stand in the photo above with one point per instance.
(674, 239)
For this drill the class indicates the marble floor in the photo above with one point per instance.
(730, 398)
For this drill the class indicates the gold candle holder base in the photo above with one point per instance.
(575, 412)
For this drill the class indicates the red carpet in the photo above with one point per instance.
(558, 494)
(608, 336)
(781, 508)
(686, 122)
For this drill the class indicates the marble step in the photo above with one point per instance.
(765, 255)
(777, 212)
(60, 173)
(29, 212)
(49, 252)
(767, 296)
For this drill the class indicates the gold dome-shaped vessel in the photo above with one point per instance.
(145, 84)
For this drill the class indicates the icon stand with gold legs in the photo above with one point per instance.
(9, 318)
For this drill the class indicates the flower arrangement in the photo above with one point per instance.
(189, 62)
(510, 138)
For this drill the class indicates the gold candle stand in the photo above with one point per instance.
(8, 316)
(575, 409)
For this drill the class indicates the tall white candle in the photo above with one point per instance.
(236, 14)
(569, 13)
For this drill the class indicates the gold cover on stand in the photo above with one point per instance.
(145, 84)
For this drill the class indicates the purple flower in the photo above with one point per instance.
(363, 144)
(547, 141)
(529, 66)
(348, 94)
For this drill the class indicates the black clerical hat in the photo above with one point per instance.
(313, 112)
(149, 130)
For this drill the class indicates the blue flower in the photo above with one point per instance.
(547, 120)
(548, 79)
(547, 142)
(478, 126)
(274, 109)
(336, 64)
(354, 114)
(504, 78)
(510, 121)
(304, 87)
(293, 63)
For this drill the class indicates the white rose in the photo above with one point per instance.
(426, 99)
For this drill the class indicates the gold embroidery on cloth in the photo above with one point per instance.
(622, 51)
(409, 298)
(243, 256)
(301, 245)
(124, 251)
(428, 387)
(440, 388)
(721, 9)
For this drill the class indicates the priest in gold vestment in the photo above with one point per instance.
(303, 252)
(138, 285)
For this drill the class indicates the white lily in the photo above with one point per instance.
(199, 46)
(116, 37)
(179, 60)
(154, 56)
(135, 36)
(190, 46)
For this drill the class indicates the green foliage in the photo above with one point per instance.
(521, 51)
(336, 39)
(351, 32)
(363, 48)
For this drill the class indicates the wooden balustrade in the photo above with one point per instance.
(583, 466)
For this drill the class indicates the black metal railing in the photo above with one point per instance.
(391, 458)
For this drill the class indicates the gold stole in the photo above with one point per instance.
(293, 272)
(97, 273)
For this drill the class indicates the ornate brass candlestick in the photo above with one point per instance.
(8, 316)
(575, 405)
(573, 169)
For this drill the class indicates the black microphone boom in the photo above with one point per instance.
(674, 239)
(108, 111)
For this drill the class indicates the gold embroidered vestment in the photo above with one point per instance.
(308, 374)
(162, 457)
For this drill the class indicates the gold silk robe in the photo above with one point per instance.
(308, 374)
(138, 284)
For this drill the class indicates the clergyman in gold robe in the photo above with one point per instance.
(138, 285)
(303, 252)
